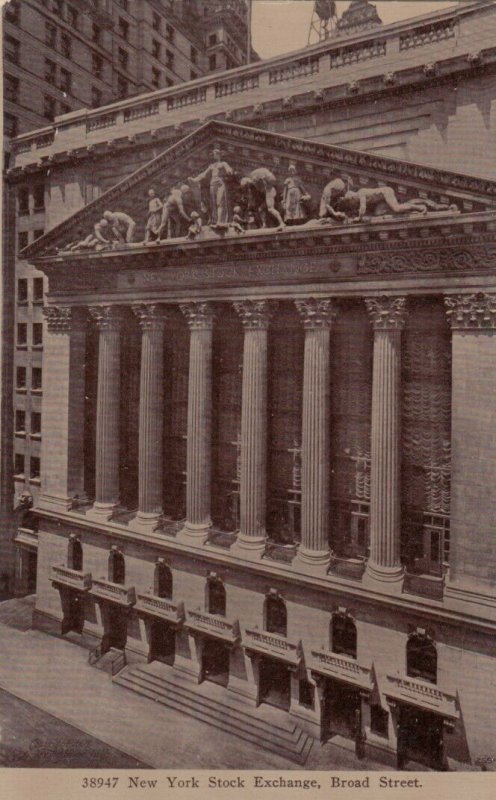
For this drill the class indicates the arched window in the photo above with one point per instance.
(421, 658)
(216, 597)
(162, 580)
(116, 567)
(343, 635)
(276, 618)
(74, 554)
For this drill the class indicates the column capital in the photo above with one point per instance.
(316, 313)
(254, 314)
(471, 311)
(64, 319)
(199, 316)
(387, 313)
(107, 317)
(150, 316)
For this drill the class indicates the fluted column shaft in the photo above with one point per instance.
(109, 321)
(151, 415)
(388, 317)
(200, 319)
(317, 318)
(255, 319)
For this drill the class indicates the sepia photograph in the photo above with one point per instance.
(248, 397)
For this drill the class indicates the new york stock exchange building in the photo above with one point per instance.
(268, 449)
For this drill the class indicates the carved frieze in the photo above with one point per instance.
(471, 311)
(442, 259)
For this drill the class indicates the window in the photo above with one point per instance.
(49, 107)
(306, 694)
(39, 197)
(212, 62)
(37, 334)
(74, 553)
(38, 233)
(343, 635)
(11, 88)
(216, 597)
(50, 34)
(193, 76)
(66, 81)
(35, 423)
(66, 45)
(96, 97)
(96, 65)
(123, 28)
(22, 240)
(116, 567)
(10, 125)
(96, 33)
(72, 17)
(35, 468)
(162, 583)
(20, 422)
(13, 12)
(156, 21)
(11, 49)
(22, 290)
(19, 464)
(155, 48)
(21, 378)
(275, 615)
(421, 658)
(37, 290)
(22, 334)
(169, 33)
(378, 720)
(123, 57)
(170, 59)
(212, 39)
(23, 200)
(122, 86)
(156, 75)
(36, 379)
(194, 54)
(50, 71)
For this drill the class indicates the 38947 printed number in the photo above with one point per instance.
(99, 783)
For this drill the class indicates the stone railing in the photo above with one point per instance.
(73, 578)
(354, 54)
(421, 693)
(103, 121)
(342, 667)
(297, 69)
(273, 645)
(240, 84)
(212, 624)
(145, 110)
(115, 592)
(191, 98)
(160, 607)
(428, 34)
(347, 567)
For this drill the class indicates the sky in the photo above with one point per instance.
(279, 26)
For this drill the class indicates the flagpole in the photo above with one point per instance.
(248, 22)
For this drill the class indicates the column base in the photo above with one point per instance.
(101, 511)
(191, 532)
(145, 523)
(312, 562)
(251, 547)
(376, 575)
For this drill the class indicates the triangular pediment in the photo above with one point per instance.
(245, 150)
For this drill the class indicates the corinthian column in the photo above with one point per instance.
(388, 318)
(317, 316)
(200, 318)
(108, 320)
(151, 416)
(255, 320)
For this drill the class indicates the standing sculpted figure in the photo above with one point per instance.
(154, 216)
(294, 195)
(216, 173)
(263, 181)
(173, 212)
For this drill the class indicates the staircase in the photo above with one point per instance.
(266, 727)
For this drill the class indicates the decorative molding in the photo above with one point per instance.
(387, 313)
(437, 260)
(471, 311)
(316, 313)
(199, 316)
(149, 316)
(107, 318)
(254, 314)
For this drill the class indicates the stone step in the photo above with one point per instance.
(286, 740)
(105, 662)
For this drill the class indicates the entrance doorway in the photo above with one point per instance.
(73, 607)
(420, 738)
(115, 628)
(31, 571)
(162, 642)
(215, 662)
(341, 709)
(274, 683)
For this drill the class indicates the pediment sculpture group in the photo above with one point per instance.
(218, 202)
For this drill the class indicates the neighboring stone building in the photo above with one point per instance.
(266, 458)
